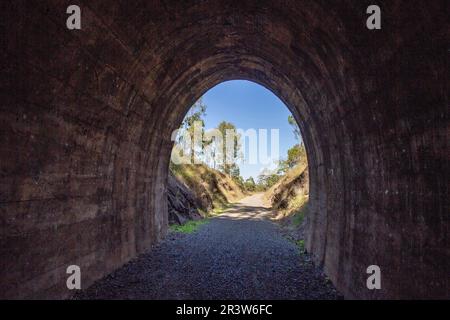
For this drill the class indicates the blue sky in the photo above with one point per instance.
(249, 105)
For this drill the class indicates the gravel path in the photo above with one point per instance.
(239, 254)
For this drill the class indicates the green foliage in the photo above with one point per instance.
(229, 131)
(296, 155)
(267, 179)
(298, 218)
(300, 245)
(192, 140)
(250, 184)
(195, 114)
(300, 213)
(235, 173)
(295, 127)
(192, 125)
(189, 227)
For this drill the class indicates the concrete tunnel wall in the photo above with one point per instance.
(86, 118)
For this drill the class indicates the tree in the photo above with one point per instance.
(231, 140)
(193, 126)
(235, 172)
(296, 154)
(250, 184)
(295, 127)
(267, 179)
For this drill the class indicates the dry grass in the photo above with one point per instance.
(289, 196)
(215, 189)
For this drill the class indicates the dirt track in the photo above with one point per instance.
(239, 254)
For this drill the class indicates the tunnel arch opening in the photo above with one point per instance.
(200, 78)
(260, 150)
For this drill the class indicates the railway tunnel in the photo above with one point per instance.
(87, 115)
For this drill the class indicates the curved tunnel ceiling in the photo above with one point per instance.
(87, 117)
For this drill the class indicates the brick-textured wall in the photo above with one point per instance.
(86, 117)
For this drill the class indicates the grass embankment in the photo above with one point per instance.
(214, 190)
(289, 198)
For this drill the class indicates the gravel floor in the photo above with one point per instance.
(237, 255)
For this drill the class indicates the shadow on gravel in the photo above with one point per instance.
(239, 254)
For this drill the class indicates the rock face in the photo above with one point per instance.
(183, 205)
(86, 118)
